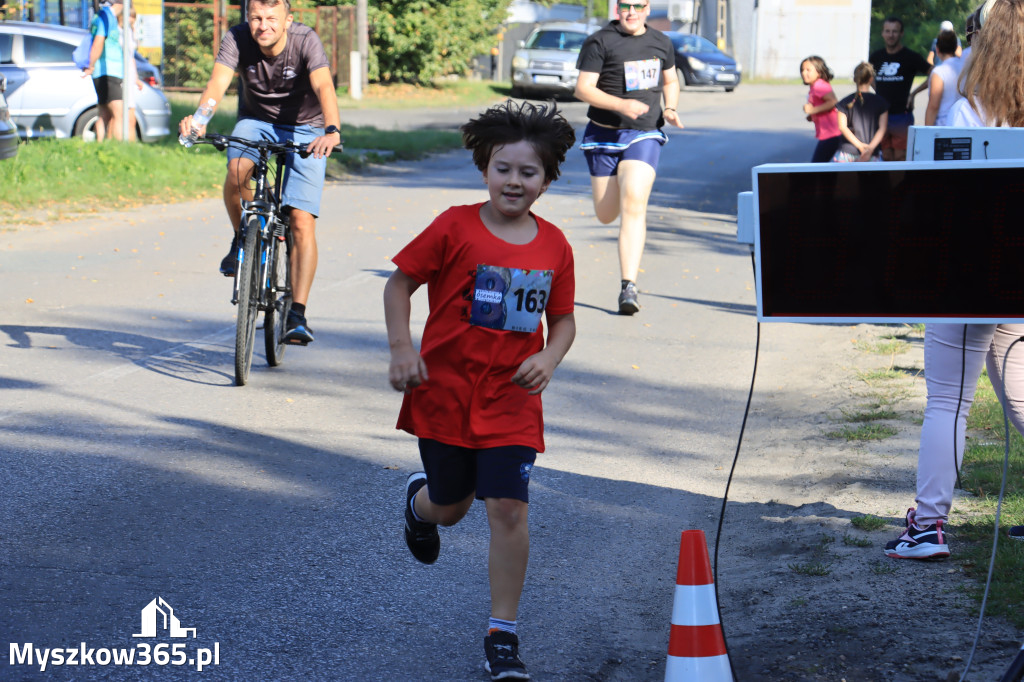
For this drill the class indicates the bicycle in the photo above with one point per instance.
(262, 280)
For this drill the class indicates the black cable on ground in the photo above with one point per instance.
(725, 496)
(999, 509)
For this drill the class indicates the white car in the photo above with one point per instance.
(47, 95)
(545, 63)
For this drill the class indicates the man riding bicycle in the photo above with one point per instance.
(285, 93)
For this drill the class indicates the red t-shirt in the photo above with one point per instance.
(487, 298)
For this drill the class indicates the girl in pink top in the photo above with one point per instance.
(821, 108)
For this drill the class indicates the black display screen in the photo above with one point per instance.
(893, 243)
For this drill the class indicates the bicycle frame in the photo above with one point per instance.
(266, 205)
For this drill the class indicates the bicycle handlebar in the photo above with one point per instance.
(221, 142)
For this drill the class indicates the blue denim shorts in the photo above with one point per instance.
(606, 147)
(454, 473)
(303, 178)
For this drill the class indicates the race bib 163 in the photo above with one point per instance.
(511, 299)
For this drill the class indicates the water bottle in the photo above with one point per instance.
(202, 116)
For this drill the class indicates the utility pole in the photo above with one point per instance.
(363, 27)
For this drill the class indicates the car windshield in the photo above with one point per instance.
(691, 43)
(556, 40)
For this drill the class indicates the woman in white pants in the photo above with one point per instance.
(954, 354)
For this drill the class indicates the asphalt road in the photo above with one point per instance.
(269, 516)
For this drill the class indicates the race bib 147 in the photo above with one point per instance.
(511, 299)
(643, 74)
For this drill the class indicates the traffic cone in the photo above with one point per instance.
(696, 645)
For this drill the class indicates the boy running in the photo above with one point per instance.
(472, 394)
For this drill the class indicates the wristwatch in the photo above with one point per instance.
(332, 129)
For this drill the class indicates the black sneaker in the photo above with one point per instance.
(422, 537)
(1016, 533)
(229, 264)
(628, 304)
(298, 332)
(919, 543)
(503, 662)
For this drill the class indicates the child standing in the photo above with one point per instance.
(472, 394)
(863, 119)
(821, 107)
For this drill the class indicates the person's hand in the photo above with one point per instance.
(185, 127)
(407, 370)
(87, 71)
(633, 108)
(808, 109)
(138, 84)
(322, 146)
(866, 153)
(809, 117)
(910, 104)
(672, 116)
(535, 372)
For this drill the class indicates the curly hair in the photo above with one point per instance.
(547, 131)
(992, 80)
(824, 73)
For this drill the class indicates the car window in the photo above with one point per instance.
(45, 51)
(6, 48)
(557, 40)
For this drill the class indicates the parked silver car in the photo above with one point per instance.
(47, 95)
(8, 133)
(545, 63)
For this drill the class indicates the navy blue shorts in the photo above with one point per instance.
(454, 473)
(606, 147)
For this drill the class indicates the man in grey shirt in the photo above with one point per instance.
(286, 93)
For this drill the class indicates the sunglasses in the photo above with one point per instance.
(636, 7)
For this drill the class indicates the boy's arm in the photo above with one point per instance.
(536, 371)
(407, 368)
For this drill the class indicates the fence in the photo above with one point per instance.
(192, 34)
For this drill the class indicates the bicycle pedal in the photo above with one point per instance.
(296, 342)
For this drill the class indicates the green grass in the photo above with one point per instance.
(854, 541)
(887, 346)
(811, 568)
(864, 432)
(53, 179)
(869, 415)
(868, 522)
(444, 93)
(974, 518)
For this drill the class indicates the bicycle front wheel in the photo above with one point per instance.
(248, 300)
(280, 300)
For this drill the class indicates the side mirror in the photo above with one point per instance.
(522, 44)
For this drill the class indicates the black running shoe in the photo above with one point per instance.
(503, 662)
(628, 303)
(422, 537)
(1016, 533)
(919, 543)
(298, 332)
(229, 264)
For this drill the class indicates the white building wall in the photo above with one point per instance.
(787, 31)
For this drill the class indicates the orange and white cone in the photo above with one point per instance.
(696, 645)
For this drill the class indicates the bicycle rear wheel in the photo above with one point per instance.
(248, 300)
(276, 317)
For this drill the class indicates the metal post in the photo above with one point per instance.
(128, 57)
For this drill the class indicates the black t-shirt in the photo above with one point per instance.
(276, 89)
(861, 118)
(894, 75)
(629, 67)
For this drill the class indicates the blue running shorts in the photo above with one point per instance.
(606, 147)
(454, 473)
(303, 178)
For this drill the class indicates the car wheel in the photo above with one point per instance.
(729, 89)
(682, 78)
(85, 126)
(517, 91)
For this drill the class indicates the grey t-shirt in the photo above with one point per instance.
(276, 89)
